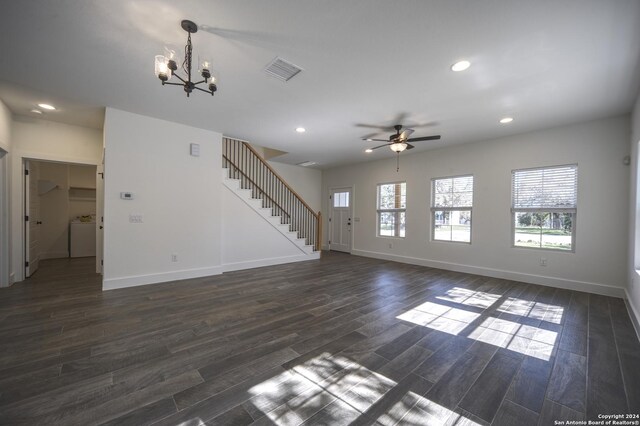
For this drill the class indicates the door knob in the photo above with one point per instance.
(38, 223)
(100, 226)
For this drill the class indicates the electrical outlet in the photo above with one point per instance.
(135, 218)
(174, 257)
(390, 245)
(543, 261)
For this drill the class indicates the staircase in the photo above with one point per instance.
(247, 174)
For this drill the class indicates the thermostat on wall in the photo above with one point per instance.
(126, 195)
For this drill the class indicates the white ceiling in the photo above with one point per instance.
(544, 62)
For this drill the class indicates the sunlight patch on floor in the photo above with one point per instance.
(531, 309)
(349, 388)
(525, 339)
(439, 317)
(468, 297)
(193, 422)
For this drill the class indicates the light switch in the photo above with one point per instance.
(135, 218)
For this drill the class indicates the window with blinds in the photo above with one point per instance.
(451, 205)
(544, 207)
(392, 206)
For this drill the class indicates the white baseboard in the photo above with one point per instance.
(54, 255)
(249, 264)
(634, 313)
(589, 287)
(136, 280)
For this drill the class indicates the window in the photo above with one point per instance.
(341, 199)
(543, 207)
(392, 205)
(451, 204)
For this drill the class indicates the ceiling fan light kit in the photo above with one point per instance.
(166, 66)
(398, 147)
(398, 142)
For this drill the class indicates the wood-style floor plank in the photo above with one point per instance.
(342, 340)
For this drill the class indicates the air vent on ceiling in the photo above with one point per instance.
(282, 70)
(307, 163)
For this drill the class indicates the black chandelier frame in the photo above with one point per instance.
(188, 85)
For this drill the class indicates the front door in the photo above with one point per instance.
(340, 220)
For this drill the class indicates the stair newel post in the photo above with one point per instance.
(319, 232)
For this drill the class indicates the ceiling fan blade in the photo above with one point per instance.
(375, 140)
(380, 146)
(374, 126)
(421, 125)
(425, 138)
(400, 118)
(409, 146)
(405, 134)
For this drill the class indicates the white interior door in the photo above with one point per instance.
(99, 217)
(32, 218)
(341, 201)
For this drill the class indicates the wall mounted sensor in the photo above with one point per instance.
(126, 195)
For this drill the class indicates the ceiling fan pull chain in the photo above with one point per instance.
(398, 162)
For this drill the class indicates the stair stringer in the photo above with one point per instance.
(305, 252)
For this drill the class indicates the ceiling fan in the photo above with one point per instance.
(399, 141)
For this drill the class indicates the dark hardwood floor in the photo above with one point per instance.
(342, 340)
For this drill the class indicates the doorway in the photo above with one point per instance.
(60, 212)
(340, 219)
(4, 220)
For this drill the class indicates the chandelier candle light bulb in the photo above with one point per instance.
(162, 70)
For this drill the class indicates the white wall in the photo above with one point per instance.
(81, 177)
(249, 240)
(5, 127)
(179, 197)
(38, 139)
(634, 215)
(599, 262)
(5, 229)
(54, 212)
(305, 181)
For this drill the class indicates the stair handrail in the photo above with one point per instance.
(280, 178)
(255, 184)
(317, 216)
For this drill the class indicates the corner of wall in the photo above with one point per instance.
(6, 124)
(633, 284)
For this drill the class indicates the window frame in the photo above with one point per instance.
(379, 210)
(449, 209)
(573, 211)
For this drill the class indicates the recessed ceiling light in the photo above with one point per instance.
(506, 120)
(36, 111)
(307, 163)
(368, 150)
(300, 129)
(47, 106)
(460, 66)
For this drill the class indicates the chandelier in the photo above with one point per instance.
(166, 66)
